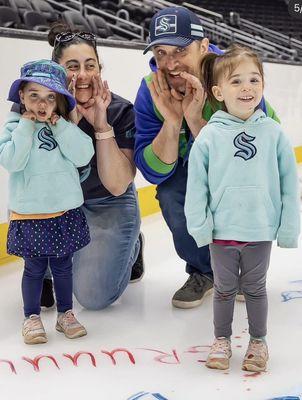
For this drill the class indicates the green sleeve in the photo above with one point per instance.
(155, 163)
(271, 112)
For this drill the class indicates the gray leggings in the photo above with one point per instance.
(243, 266)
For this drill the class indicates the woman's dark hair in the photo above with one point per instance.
(214, 66)
(59, 27)
(62, 104)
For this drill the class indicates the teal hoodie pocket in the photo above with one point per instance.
(51, 189)
(247, 207)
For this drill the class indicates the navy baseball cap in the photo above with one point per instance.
(174, 26)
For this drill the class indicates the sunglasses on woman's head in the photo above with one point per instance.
(68, 36)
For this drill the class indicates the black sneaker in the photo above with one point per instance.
(47, 298)
(192, 293)
(138, 268)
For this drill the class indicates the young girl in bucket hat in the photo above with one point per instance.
(41, 149)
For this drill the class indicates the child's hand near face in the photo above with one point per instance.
(54, 118)
(29, 115)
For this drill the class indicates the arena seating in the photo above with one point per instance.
(35, 21)
(265, 26)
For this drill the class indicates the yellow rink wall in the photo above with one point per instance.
(298, 152)
(147, 202)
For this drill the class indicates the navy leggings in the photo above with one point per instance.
(32, 282)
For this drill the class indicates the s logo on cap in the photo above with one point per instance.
(165, 24)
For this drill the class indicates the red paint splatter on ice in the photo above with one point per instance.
(253, 375)
(35, 362)
(164, 355)
(194, 349)
(111, 354)
(237, 337)
(12, 367)
(74, 358)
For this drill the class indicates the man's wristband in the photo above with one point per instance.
(104, 135)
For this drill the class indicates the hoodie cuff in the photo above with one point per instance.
(288, 242)
(203, 239)
(155, 163)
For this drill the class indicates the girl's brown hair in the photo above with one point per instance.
(214, 66)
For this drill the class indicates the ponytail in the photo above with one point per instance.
(207, 77)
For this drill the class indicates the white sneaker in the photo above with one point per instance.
(256, 356)
(33, 330)
(69, 325)
(220, 354)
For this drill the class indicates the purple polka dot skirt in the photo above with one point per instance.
(53, 237)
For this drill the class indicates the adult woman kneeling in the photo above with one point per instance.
(102, 270)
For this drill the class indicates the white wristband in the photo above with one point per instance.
(104, 135)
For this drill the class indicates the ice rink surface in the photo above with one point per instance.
(143, 348)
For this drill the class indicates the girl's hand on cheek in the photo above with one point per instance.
(29, 115)
(54, 118)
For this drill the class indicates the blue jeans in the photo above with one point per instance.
(171, 196)
(101, 270)
(32, 282)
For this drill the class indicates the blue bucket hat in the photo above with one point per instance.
(46, 73)
(174, 26)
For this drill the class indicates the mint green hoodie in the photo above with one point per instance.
(242, 182)
(42, 161)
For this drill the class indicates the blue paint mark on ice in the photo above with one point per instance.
(147, 396)
(291, 294)
(287, 398)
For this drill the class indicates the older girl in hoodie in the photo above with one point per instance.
(242, 194)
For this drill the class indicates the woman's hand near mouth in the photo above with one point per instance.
(95, 109)
(74, 115)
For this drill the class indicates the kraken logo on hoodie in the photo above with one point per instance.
(246, 149)
(46, 137)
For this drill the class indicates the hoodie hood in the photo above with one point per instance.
(228, 121)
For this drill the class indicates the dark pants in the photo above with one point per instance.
(171, 196)
(244, 267)
(32, 282)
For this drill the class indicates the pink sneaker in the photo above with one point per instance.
(70, 326)
(256, 356)
(220, 354)
(33, 330)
